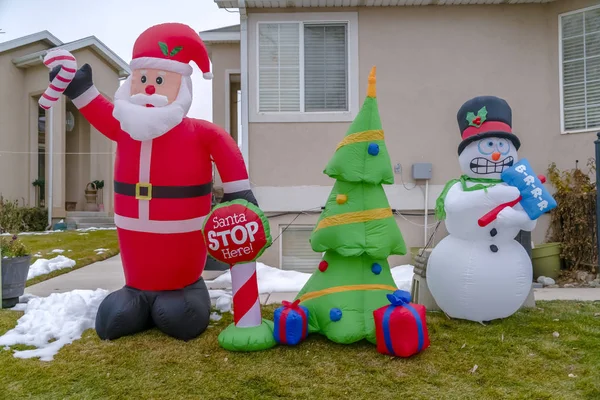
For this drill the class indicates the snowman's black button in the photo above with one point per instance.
(493, 232)
(494, 248)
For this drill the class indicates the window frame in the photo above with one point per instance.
(285, 227)
(563, 131)
(351, 21)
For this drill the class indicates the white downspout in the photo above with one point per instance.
(426, 212)
(50, 147)
(244, 79)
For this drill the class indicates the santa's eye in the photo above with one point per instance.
(143, 79)
(159, 80)
(503, 146)
(486, 146)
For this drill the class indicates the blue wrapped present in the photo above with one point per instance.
(291, 323)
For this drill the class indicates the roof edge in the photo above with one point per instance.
(42, 36)
(93, 42)
(220, 37)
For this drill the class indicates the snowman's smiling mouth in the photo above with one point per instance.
(484, 166)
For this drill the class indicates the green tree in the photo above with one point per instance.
(357, 232)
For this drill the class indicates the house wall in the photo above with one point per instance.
(224, 58)
(18, 133)
(441, 57)
(14, 128)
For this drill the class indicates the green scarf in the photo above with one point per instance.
(482, 184)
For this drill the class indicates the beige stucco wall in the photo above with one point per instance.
(224, 58)
(441, 57)
(14, 127)
(18, 117)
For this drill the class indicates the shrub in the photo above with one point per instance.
(573, 221)
(12, 247)
(14, 218)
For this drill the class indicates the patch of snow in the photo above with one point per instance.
(224, 303)
(100, 251)
(58, 251)
(37, 255)
(403, 276)
(272, 280)
(215, 317)
(43, 266)
(49, 323)
(92, 229)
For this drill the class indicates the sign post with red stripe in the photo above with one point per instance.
(237, 233)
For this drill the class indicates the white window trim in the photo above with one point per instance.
(282, 229)
(560, 74)
(351, 18)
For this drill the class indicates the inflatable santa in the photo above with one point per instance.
(162, 183)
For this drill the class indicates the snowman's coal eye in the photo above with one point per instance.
(503, 146)
(487, 146)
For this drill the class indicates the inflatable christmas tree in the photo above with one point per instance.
(357, 232)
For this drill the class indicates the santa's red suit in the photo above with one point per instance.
(163, 181)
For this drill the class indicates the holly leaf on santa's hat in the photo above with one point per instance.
(470, 117)
(176, 50)
(164, 48)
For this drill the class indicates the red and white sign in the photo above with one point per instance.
(235, 234)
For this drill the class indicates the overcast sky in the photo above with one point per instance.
(117, 23)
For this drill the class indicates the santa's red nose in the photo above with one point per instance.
(150, 89)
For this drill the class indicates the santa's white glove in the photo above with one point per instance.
(501, 194)
(509, 217)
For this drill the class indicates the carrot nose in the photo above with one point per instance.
(150, 89)
(495, 156)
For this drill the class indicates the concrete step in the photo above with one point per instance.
(86, 214)
(85, 225)
(91, 220)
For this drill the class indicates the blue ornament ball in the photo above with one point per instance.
(376, 269)
(335, 314)
(373, 149)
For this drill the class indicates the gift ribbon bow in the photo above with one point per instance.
(400, 298)
(293, 306)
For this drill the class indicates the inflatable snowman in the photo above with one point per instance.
(481, 273)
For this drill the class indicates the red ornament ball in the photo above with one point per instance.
(323, 266)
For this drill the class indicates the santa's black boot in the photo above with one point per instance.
(183, 314)
(123, 313)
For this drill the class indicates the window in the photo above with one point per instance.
(306, 70)
(580, 69)
(296, 253)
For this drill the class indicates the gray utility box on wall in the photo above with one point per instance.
(422, 171)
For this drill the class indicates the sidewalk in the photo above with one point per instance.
(108, 274)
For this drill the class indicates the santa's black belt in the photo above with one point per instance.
(147, 191)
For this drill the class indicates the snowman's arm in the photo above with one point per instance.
(516, 216)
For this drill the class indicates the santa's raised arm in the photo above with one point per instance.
(163, 183)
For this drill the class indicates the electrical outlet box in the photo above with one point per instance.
(422, 171)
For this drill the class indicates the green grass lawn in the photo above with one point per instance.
(517, 358)
(81, 244)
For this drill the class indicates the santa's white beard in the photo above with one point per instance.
(146, 123)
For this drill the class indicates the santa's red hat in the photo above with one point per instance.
(171, 47)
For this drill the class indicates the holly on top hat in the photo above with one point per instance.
(485, 116)
(171, 47)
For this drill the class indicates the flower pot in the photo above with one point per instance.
(546, 260)
(14, 277)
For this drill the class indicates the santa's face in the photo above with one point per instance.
(160, 88)
(151, 102)
(487, 158)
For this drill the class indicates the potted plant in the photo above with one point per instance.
(546, 260)
(14, 268)
(91, 195)
(99, 185)
(39, 191)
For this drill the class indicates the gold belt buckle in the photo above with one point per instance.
(147, 186)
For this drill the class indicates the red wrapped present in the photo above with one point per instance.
(401, 328)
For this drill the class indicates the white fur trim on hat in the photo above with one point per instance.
(207, 75)
(162, 64)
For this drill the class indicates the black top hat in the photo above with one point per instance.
(485, 116)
